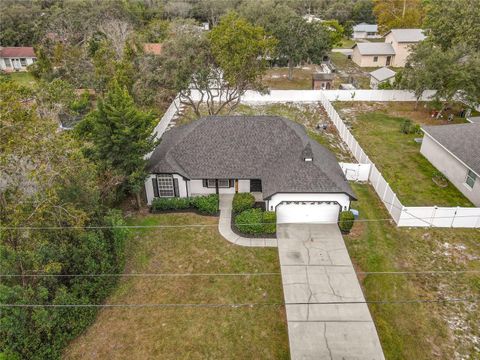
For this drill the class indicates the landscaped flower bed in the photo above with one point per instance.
(205, 205)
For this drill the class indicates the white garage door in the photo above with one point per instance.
(307, 212)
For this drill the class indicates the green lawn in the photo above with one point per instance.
(277, 79)
(417, 331)
(22, 78)
(347, 43)
(398, 157)
(190, 333)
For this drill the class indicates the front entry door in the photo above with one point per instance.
(389, 58)
(255, 185)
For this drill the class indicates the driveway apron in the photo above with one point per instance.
(326, 318)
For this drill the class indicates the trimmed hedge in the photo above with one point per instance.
(207, 204)
(174, 203)
(256, 221)
(242, 202)
(346, 220)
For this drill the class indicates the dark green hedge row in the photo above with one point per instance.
(242, 202)
(256, 221)
(207, 204)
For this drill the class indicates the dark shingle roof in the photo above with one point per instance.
(256, 147)
(462, 140)
(9, 52)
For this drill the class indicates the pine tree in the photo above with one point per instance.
(121, 135)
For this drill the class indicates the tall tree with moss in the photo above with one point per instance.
(120, 135)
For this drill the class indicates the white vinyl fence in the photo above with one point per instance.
(356, 172)
(419, 216)
(416, 216)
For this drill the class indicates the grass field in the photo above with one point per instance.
(22, 78)
(277, 78)
(417, 331)
(397, 155)
(347, 43)
(189, 333)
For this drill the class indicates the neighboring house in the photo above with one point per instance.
(312, 18)
(365, 31)
(374, 54)
(272, 156)
(152, 48)
(381, 75)
(455, 151)
(16, 58)
(402, 41)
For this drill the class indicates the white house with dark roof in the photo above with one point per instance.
(455, 151)
(376, 54)
(16, 58)
(365, 31)
(380, 76)
(267, 155)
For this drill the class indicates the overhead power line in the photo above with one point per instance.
(199, 225)
(421, 272)
(238, 305)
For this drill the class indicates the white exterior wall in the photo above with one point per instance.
(243, 186)
(182, 187)
(402, 50)
(149, 189)
(342, 199)
(196, 188)
(374, 82)
(359, 34)
(451, 167)
(15, 64)
(367, 60)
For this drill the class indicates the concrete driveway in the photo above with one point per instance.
(316, 269)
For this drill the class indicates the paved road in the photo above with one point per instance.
(316, 268)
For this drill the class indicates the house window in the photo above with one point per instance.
(375, 58)
(471, 178)
(211, 183)
(23, 62)
(223, 183)
(165, 186)
(8, 63)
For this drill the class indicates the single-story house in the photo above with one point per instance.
(16, 58)
(374, 54)
(455, 151)
(365, 31)
(381, 75)
(402, 41)
(267, 155)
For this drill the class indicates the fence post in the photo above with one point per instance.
(385, 192)
(393, 202)
(433, 215)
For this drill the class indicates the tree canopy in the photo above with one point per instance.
(398, 14)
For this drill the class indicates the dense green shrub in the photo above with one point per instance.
(206, 204)
(408, 127)
(173, 203)
(269, 222)
(346, 220)
(255, 221)
(242, 202)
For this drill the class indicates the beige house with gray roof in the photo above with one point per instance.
(455, 151)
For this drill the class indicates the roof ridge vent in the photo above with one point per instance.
(307, 153)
